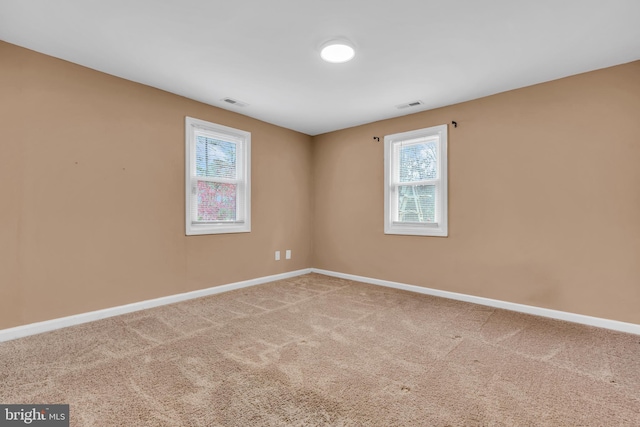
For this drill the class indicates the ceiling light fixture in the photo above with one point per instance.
(337, 51)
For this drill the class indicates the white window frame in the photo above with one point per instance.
(392, 145)
(242, 139)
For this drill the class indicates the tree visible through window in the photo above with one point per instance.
(418, 162)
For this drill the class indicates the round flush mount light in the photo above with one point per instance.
(337, 51)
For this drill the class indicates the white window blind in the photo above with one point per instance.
(416, 181)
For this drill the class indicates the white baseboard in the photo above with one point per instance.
(538, 311)
(63, 322)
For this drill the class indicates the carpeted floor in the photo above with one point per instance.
(316, 350)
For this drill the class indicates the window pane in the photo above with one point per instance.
(416, 203)
(418, 161)
(215, 158)
(216, 201)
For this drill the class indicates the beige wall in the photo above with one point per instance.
(92, 194)
(544, 196)
(544, 188)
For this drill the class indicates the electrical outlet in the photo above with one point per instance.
(277, 255)
(288, 254)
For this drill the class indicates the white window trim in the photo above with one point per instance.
(243, 139)
(391, 225)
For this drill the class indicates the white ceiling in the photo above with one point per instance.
(265, 53)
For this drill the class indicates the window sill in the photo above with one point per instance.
(197, 229)
(433, 229)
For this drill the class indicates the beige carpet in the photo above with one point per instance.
(316, 350)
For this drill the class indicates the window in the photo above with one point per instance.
(415, 182)
(218, 178)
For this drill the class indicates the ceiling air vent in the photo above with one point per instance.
(235, 102)
(409, 104)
